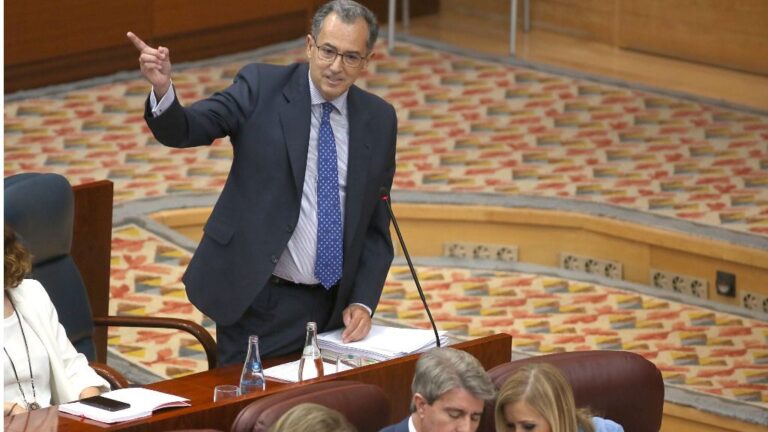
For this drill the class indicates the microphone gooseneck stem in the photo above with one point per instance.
(385, 198)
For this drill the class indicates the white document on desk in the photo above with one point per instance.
(382, 342)
(143, 401)
(289, 372)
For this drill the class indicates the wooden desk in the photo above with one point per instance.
(394, 377)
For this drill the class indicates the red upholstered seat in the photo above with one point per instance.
(366, 406)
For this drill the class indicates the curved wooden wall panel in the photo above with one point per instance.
(541, 235)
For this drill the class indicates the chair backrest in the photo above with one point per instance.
(366, 406)
(40, 208)
(620, 385)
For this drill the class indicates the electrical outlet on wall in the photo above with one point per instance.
(698, 287)
(506, 253)
(572, 262)
(660, 279)
(593, 266)
(683, 284)
(597, 266)
(456, 250)
(482, 251)
(753, 301)
(497, 252)
(679, 284)
(613, 270)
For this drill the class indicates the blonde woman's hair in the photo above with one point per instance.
(544, 388)
(18, 261)
(310, 417)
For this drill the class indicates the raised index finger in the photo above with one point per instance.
(138, 43)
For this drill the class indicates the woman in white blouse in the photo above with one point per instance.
(40, 366)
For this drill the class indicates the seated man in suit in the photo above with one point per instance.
(450, 388)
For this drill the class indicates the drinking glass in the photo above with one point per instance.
(225, 391)
(347, 361)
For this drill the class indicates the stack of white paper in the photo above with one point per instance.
(383, 343)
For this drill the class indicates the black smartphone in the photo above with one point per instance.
(105, 403)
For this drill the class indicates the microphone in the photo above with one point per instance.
(385, 197)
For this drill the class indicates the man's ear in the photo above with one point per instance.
(368, 58)
(419, 402)
(310, 42)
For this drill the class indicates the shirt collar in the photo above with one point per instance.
(340, 103)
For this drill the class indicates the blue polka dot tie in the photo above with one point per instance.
(329, 238)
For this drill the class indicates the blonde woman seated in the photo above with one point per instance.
(538, 398)
(41, 367)
(310, 417)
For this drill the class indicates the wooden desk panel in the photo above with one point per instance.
(394, 377)
(55, 41)
(92, 250)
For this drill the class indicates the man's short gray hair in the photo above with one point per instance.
(348, 11)
(441, 370)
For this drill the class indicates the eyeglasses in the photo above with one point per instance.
(329, 54)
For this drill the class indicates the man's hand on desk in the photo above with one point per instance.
(357, 323)
(155, 65)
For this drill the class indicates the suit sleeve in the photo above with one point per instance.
(377, 254)
(209, 119)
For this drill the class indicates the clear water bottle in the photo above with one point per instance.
(311, 363)
(252, 378)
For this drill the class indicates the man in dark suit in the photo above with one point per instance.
(299, 232)
(450, 389)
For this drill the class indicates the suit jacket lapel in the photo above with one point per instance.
(295, 122)
(357, 164)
